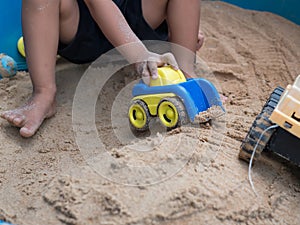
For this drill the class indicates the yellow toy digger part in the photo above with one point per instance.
(287, 112)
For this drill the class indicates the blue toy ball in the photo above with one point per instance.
(4, 223)
(8, 66)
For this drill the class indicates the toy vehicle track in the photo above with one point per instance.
(261, 122)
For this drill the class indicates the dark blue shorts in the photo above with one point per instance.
(89, 42)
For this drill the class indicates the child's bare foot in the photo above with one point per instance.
(30, 116)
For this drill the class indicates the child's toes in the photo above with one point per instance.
(5, 115)
(26, 132)
(18, 120)
(29, 129)
(10, 117)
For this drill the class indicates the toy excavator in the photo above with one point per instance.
(281, 109)
(174, 99)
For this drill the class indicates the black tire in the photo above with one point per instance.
(261, 122)
(181, 112)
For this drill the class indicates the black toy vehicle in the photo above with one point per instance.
(282, 109)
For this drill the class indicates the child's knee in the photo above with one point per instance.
(67, 7)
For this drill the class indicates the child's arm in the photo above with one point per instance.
(116, 29)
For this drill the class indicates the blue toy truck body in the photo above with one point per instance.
(197, 94)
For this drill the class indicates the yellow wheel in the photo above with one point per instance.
(139, 115)
(171, 112)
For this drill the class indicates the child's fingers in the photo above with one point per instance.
(146, 78)
(170, 59)
(152, 67)
(143, 71)
(148, 69)
(200, 40)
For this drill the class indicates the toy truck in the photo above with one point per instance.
(173, 98)
(282, 108)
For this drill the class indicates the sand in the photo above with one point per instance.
(195, 175)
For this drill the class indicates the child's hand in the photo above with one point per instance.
(148, 68)
(200, 40)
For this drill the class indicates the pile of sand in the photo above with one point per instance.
(196, 176)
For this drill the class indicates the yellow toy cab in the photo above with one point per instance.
(283, 109)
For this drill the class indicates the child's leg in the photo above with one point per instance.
(183, 20)
(42, 22)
